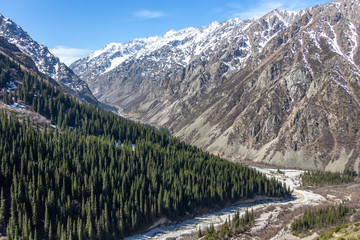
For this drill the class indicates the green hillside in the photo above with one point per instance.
(97, 175)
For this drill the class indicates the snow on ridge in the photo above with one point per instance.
(288, 12)
(286, 16)
(185, 43)
(281, 18)
(101, 51)
(344, 86)
(178, 48)
(43, 59)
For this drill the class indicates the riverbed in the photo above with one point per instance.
(192, 226)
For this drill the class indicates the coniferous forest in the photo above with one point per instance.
(317, 178)
(99, 176)
(320, 218)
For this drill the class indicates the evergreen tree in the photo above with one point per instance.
(3, 209)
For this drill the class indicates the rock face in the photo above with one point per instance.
(11, 51)
(45, 61)
(283, 89)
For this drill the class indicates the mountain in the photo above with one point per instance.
(95, 174)
(180, 62)
(44, 60)
(12, 52)
(282, 89)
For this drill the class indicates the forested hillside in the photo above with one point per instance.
(84, 179)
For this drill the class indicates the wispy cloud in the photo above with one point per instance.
(263, 6)
(147, 14)
(69, 55)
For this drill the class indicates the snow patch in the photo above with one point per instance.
(312, 34)
(335, 46)
(354, 36)
(18, 106)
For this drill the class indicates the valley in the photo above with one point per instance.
(256, 90)
(273, 216)
(90, 183)
(240, 129)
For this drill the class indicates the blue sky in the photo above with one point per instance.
(72, 29)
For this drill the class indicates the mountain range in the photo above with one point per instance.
(282, 89)
(100, 175)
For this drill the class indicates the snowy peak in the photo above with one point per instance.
(285, 16)
(114, 54)
(11, 28)
(227, 45)
(44, 60)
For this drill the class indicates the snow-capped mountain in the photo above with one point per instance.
(175, 47)
(283, 89)
(44, 60)
(160, 57)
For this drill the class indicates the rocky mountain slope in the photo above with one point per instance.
(12, 52)
(44, 60)
(282, 89)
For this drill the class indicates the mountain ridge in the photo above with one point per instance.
(44, 60)
(185, 45)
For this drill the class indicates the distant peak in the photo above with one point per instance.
(214, 24)
(284, 12)
(170, 33)
(234, 21)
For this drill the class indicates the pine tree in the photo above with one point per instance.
(3, 209)
(200, 233)
(5, 97)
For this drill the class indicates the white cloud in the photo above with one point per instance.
(69, 55)
(146, 14)
(264, 6)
